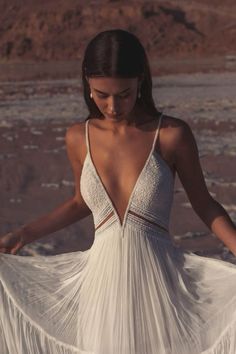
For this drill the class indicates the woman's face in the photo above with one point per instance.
(114, 97)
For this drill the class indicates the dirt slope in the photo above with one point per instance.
(59, 29)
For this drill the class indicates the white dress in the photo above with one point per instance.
(132, 292)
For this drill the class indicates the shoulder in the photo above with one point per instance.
(177, 139)
(177, 131)
(75, 141)
(177, 127)
(75, 132)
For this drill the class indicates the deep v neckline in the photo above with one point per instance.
(121, 222)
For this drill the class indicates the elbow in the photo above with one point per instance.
(75, 203)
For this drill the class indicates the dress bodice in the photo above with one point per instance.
(151, 198)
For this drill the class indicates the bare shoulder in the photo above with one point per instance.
(174, 132)
(75, 141)
(177, 133)
(176, 127)
(74, 132)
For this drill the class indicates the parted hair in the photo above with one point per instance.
(117, 53)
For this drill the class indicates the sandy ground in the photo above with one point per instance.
(35, 175)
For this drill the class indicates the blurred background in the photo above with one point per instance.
(191, 46)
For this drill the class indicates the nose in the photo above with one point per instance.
(113, 111)
(112, 105)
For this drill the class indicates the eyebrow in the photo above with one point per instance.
(105, 93)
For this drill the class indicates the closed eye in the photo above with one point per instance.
(120, 96)
(101, 96)
(124, 96)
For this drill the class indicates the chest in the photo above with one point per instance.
(119, 161)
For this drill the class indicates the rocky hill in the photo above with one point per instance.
(59, 29)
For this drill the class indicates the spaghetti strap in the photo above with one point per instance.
(157, 131)
(86, 136)
(154, 140)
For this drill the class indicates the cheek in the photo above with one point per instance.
(100, 103)
(127, 104)
(130, 102)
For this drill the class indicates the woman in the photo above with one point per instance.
(134, 291)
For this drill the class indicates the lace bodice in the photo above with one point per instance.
(151, 198)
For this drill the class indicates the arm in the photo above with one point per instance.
(191, 176)
(67, 213)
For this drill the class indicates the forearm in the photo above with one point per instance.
(64, 215)
(217, 219)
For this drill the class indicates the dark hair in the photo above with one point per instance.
(117, 53)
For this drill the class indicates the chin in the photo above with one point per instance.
(114, 116)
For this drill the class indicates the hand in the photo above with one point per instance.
(11, 243)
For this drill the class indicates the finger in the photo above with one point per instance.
(14, 250)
